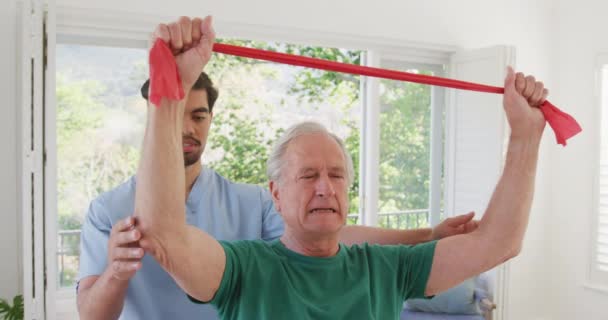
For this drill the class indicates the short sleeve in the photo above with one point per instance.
(415, 263)
(272, 224)
(94, 237)
(236, 253)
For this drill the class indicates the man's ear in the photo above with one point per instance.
(274, 191)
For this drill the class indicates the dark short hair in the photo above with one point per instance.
(202, 83)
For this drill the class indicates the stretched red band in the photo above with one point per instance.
(164, 77)
(563, 125)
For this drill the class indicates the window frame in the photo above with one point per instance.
(119, 29)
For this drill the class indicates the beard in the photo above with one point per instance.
(191, 158)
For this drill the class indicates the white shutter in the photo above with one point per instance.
(31, 110)
(475, 141)
(601, 251)
(37, 232)
(599, 256)
(475, 131)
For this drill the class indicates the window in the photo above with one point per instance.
(90, 126)
(100, 123)
(599, 255)
(101, 118)
(405, 148)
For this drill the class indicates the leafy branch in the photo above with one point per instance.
(12, 312)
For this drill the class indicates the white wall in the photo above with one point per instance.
(10, 260)
(464, 23)
(582, 35)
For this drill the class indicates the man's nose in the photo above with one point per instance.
(325, 187)
(188, 128)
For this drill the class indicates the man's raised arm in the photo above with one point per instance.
(500, 233)
(193, 258)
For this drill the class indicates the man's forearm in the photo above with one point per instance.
(104, 300)
(500, 232)
(193, 258)
(506, 218)
(359, 234)
(160, 194)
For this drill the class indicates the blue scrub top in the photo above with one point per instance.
(224, 209)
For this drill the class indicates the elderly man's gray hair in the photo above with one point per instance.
(276, 162)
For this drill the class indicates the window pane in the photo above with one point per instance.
(100, 121)
(405, 142)
(101, 118)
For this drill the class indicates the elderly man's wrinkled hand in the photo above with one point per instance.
(191, 41)
(461, 224)
(522, 98)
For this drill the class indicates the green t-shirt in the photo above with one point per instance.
(265, 280)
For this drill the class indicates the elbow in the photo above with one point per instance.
(144, 225)
(515, 250)
(152, 228)
(159, 234)
(153, 240)
(145, 218)
(156, 247)
(501, 249)
(511, 252)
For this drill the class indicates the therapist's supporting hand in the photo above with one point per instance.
(124, 253)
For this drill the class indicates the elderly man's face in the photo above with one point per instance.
(313, 191)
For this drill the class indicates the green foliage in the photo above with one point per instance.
(78, 111)
(244, 146)
(316, 85)
(89, 162)
(14, 311)
(405, 146)
(310, 85)
(91, 157)
(245, 140)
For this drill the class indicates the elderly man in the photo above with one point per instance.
(307, 274)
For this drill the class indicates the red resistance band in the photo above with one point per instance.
(165, 81)
(562, 123)
(164, 77)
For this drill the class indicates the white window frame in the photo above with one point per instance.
(118, 29)
(597, 279)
